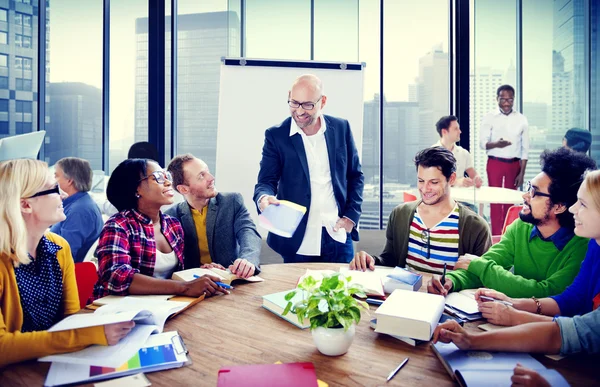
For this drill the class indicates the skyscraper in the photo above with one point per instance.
(75, 127)
(484, 83)
(203, 39)
(18, 64)
(433, 72)
(568, 70)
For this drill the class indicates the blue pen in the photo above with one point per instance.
(221, 284)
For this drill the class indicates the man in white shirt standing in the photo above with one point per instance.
(310, 159)
(504, 134)
(449, 131)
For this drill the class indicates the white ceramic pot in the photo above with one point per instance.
(333, 341)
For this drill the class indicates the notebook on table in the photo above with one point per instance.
(276, 304)
(160, 352)
(487, 368)
(150, 318)
(272, 375)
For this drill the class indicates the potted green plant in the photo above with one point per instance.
(332, 310)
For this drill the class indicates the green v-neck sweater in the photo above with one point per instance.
(540, 269)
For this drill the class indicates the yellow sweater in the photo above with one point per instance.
(16, 346)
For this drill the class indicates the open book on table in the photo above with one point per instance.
(486, 368)
(370, 280)
(149, 317)
(158, 352)
(225, 276)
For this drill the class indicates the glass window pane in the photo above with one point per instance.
(204, 29)
(19, 114)
(494, 53)
(74, 88)
(416, 89)
(369, 53)
(554, 96)
(336, 41)
(128, 77)
(278, 29)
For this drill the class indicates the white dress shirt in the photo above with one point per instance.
(464, 160)
(512, 127)
(323, 207)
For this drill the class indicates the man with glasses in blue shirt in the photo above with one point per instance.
(311, 159)
(539, 255)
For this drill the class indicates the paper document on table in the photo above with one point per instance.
(282, 219)
(85, 320)
(465, 302)
(370, 280)
(160, 352)
(107, 356)
(159, 310)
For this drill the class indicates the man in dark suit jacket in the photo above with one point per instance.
(217, 226)
(310, 159)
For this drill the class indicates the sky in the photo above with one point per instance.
(345, 30)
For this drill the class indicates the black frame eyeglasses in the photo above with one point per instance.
(426, 237)
(533, 191)
(305, 105)
(159, 176)
(55, 190)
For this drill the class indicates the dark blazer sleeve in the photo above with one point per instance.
(270, 169)
(356, 180)
(246, 234)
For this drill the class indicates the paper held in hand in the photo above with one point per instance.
(282, 219)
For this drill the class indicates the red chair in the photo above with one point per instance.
(511, 216)
(408, 197)
(86, 277)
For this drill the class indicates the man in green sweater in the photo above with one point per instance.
(541, 248)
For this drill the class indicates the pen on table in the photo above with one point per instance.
(394, 372)
(221, 284)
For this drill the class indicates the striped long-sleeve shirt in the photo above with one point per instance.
(430, 248)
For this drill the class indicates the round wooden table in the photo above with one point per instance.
(235, 330)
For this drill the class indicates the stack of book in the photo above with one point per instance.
(409, 314)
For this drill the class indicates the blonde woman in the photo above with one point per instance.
(37, 277)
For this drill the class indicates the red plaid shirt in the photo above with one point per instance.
(127, 246)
